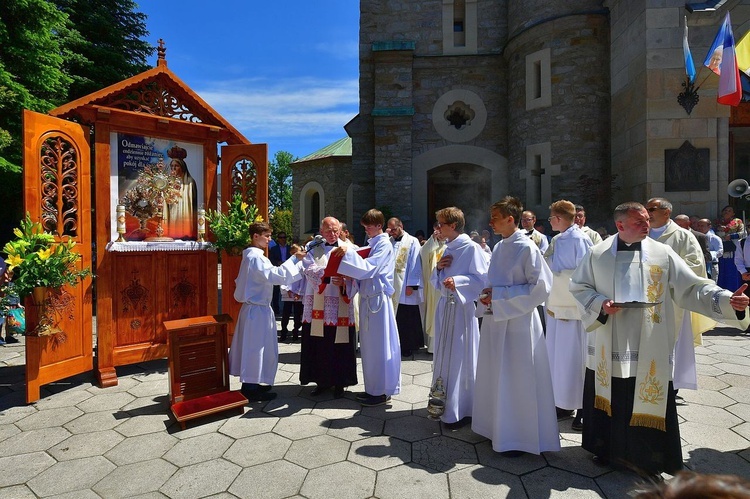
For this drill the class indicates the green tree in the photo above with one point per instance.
(280, 182)
(114, 47)
(34, 37)
(281, 221)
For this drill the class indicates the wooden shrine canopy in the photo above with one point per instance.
(138, 285)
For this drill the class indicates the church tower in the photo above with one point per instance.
(558, 103)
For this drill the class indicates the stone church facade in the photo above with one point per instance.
(465, 101)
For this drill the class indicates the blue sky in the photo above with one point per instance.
(283, 72)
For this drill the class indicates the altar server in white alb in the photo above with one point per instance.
(628, 288)
(407, 285)
(378, 335)
(459, 277)
(566, 337)
(513, 401)
(254, 354)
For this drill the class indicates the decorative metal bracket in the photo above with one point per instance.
(689, 98)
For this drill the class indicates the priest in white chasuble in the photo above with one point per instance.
(459, 278)
(514, 405)
(690, 325)
(430, 254)
(407, 286)
(627, 288)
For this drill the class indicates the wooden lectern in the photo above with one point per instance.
(199, 368)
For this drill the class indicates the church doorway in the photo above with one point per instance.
(464, 185)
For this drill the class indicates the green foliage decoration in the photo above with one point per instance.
(37, 260)
(231, 229)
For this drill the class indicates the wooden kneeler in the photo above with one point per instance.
(199, 368)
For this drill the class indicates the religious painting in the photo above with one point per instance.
(686, 169)
(160, 184)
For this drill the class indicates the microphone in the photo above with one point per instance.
(317, 241)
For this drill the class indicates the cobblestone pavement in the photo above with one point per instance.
(80, 441)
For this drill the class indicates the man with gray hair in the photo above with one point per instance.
(715, 247)
(628, 288)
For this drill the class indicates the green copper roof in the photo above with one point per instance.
(342, 147)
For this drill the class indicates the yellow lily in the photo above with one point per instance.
(14, 261)
(45, 254)
(244, 206)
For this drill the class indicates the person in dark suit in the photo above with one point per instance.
(278, 255)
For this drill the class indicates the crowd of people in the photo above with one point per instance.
(523, 329)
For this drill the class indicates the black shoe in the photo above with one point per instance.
(338, 392)
(600, 460)
(265, 388)
(258, 396)
(512, 453)
(405, 353)
(577, 425)
(563, 413)
(362, 396)
(11, 339)
(375, 400)
(319, 390)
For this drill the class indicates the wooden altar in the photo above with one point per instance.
(140, 285)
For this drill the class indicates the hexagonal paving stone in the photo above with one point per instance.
(515, 465)
(191, 481)
(742, 411)
(277, 480)
(94, 421)
(549, 482)
(106, 402)
(258, 449)
(709, 415)
(204, 426)
(356, 428)
(8, 431)
(339, 481)
(141, 448)
(67, 398)
(68, 476)
(732, 368)
(317, 451)
(289, 406)
(416, 368)
(423, 380)
(714, 370)
(742, 430)
(572, 457)
(738, 394)
(32, 441)
(19, 470)
(138, 478)
(140, 425)
(198, 449)
(249, 424)
(17, 492)
(735, 380)
(711, 383)
(150, 388)
(410, 482)
(412, 394)
(158, 404)
(85, 445)
(392, 410)
(618, 483)
(337, 408)
(412, 428)
(48, 418)
(712, 437)
(303, 426)
(123, 385)
(479, 481)
(379, 453)
(703, 460)
(736, 357)
(16, 410)
(443, 454)
(706, 397)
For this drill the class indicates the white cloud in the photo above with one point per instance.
(342, 51)
(284, 108)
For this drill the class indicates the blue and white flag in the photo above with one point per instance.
(689, 64)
